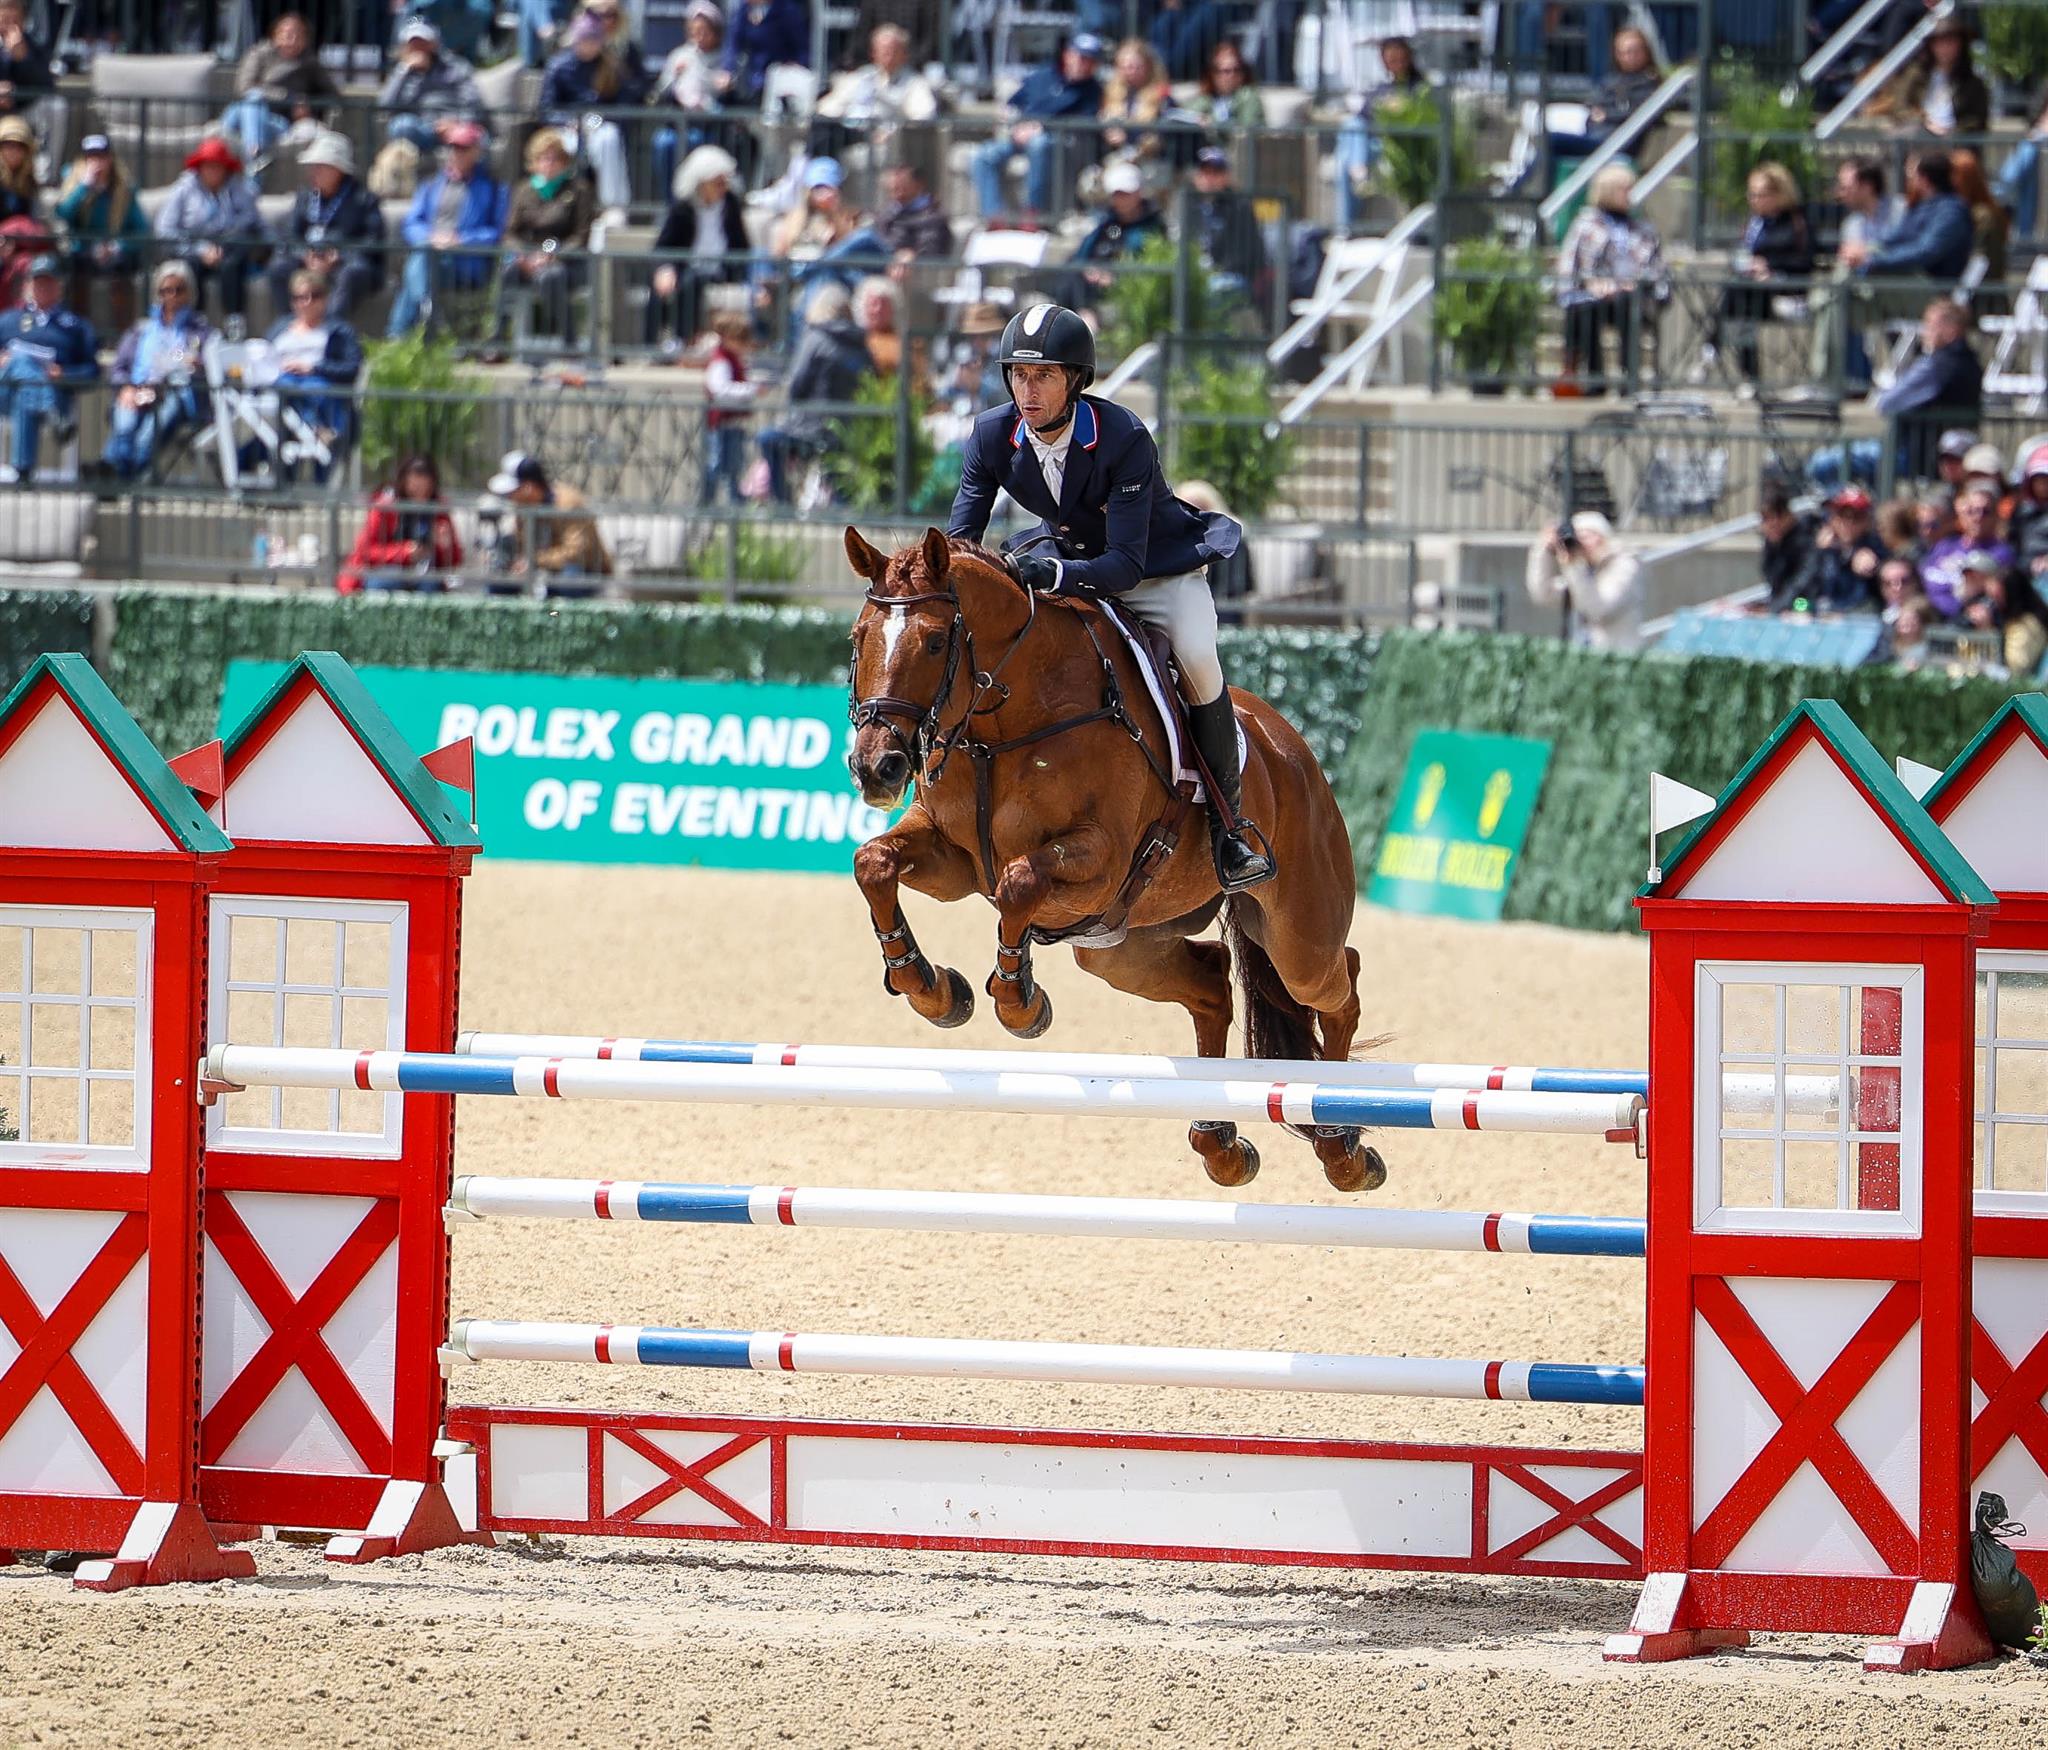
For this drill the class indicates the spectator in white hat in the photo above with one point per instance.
(1127, 223)
(430, 89)
(336, 229)
(1578, 565)
(707, 228)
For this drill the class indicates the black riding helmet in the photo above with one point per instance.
(1049, 334)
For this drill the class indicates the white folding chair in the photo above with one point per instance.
(1022, 251)
(2019, 363)
(247, 409)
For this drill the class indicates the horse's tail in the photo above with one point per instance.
(1275, 1025)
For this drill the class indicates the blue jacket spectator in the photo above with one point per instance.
(764, 34)
(578, 81)
(157, 378)
(1933, 237)
(461, 209)
(1065, 92)
(336, 228)
(831, 362)
(1943, 387)
(46, 352)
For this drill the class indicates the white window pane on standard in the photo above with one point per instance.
(309, 951)
(1876, 1094)
(1876, 1017)
(13, 944)
(306, 1109)
(2022, 1008)
(13, 1015)
(113, 963)
(53, 1109)
(253, 948)
(1749, 1174)
(1749, 1018)
(2019, 1157)
(1813, 1175)
(110, 1112)
(1987, 982)
(53, 1036)
(309, 1020)
(2022, 1082)
(366, 956)
(57, 961)
(1813, 1020)
(13, 1099)
(112, 1041)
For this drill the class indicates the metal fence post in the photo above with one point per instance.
(905, 427)
(1703, 157)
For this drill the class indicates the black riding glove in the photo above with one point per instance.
(1038, 573)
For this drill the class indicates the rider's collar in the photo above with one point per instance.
(1087, 429)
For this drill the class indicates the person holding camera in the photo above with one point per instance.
(1578, 562)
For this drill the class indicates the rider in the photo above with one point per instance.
(1090, 470)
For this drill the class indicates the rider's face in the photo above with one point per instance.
(1040, 391)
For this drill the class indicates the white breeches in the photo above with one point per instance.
(1185, 611)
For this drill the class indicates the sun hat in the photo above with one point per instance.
(824, 173)
(213, 150)
(515, 469)
(329, 149)
(1122, 178)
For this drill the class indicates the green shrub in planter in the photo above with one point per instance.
(862, 466)
(1487, 309)
(758, 557)
(2016, 42)
(448, 426)
(1410, 130)
(1139, 305)
(1222, 432)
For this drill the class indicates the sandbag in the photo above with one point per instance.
(2005, 1595)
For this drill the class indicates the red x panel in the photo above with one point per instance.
(678, 1475)
(1807, 1428)
(1582, 1515)
(46, 1345)
(296, 1333)
(2014, 1406)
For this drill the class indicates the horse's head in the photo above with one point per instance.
(909, 645)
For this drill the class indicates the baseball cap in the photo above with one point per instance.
(1850, 498)
(1984, 459)
(1958, 441)
(464, 134)
(93, 144)
(515, 470)
(1212, 158)
(418, 30)
(824, 173)
(1122, 178)
(46, 267)
(2037, 463)
(1086, 42)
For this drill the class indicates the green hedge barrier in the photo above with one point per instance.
(1611, 720)
(35, 620)
(1357, 698)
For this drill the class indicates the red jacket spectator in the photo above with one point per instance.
(391, 542)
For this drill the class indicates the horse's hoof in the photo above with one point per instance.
(1360, 1170)
(962, 994)
(1236, 1165)
(1033, 1029)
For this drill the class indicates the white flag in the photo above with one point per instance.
(1917, 778)
(1673, 804)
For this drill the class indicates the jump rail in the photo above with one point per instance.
(1348, 1073)
(965, 1212)
(1541, 1382)
(1613, 1116)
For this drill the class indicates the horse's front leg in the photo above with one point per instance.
(913, 853)
(1042, 880)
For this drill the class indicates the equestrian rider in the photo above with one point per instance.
(1090, 470)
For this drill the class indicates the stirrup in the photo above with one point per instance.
(1261, 867)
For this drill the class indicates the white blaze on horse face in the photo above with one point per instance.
(893, 622)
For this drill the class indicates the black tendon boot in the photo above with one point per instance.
(1239, 863)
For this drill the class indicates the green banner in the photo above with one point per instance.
(1455, 835)
(728, 774)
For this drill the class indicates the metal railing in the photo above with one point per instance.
(1883, 69)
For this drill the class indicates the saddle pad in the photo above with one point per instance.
(1148, 650)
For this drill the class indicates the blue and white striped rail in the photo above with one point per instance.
(967, 1212)
(1542, 1382)
(1521, 1078)
(1613, 1116)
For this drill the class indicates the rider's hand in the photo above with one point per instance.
(1034, 572)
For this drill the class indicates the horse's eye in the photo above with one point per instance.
(935, 644)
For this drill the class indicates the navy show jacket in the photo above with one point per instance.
(1115, 524)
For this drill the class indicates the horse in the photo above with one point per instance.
(1038, 759)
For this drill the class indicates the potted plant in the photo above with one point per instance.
(419, 402)
(1486, 312)
(1222, 431)
(862, 463)
(1411, 130)
(2016, 53)
(1756, 122)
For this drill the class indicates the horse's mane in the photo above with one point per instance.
(964, 549)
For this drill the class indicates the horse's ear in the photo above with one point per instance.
(938, 554)
(867, 560)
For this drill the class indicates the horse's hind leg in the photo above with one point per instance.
(912, 853)
(1163, 966)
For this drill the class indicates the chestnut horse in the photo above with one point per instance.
(1039, 761)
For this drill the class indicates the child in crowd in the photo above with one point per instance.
(729, 393)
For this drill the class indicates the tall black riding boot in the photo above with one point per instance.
(1239, 864)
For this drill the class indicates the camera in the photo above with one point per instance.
(1567, 536)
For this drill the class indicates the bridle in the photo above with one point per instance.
(928, 745)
